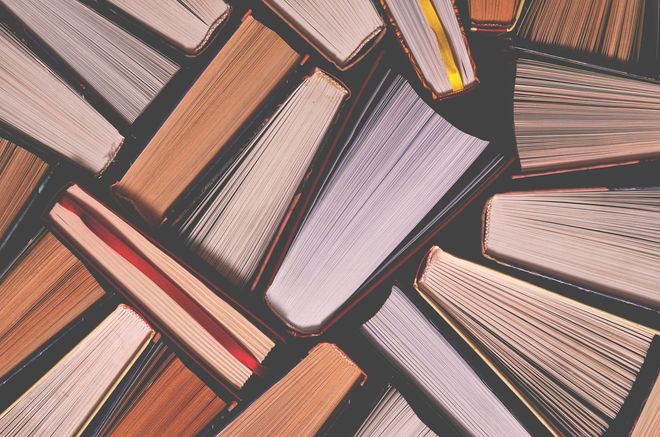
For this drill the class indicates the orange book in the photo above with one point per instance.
(220, 103)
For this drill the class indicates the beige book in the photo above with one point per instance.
(234, 85)
(234, 225)
(177, 302)
(21, 172)
(65, 400)
(186, 24)
(125, 71)
(343, 31)
(303, 401)
(37, 104)
(573, 365)
(605, 240)
(45, 291)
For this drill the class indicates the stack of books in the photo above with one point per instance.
(287, 217)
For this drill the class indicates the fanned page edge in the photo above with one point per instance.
(418, 285)
(115, 383)
(435, 95)
(362, 50)
(209, 34)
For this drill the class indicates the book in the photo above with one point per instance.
(218, 337)
(494, 15)
(42, 293)
(401, 333)
(611, 30)
(38, 105)
(304, 400)
(165, 398)
(433, 38)
(234, 224)
(123, 70)
(575, 365)
(570, 117)
(398, 163)
(245, 72)
(601, 239)
(66, 399)
(342, 31)
(188, 25)
(392, 416)
(648, 422)
(21, 173)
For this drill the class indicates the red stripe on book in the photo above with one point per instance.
(103, 230)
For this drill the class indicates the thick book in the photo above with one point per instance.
(604, 240)
(434, 40)
(234, 224)
(188, 25)
(342, 31)
(393, 416)
(163, 397)
(624, 34)
(495, 16)
(21, 175)
(406, 339)
(217, 336)
(66, 399)
(42, 293)
(305, 400)
(583, 371)
(402, 173)
(41, 109)
(123, 70)
(572, 116)
(232, 88)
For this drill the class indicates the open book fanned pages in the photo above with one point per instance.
(125, 71)
(610, 29)
(304, 400)
(65, 400)
(435, 43)
(21, 173)
(37, 104)
(570, 118)
(605, 240)
(341, 30)
(494, 15)
(165, 398)
(229, 91)
(186, 24)
(223, 341)
(416, 349)
(393, 417)
(573, 364)
(399, 162)
(237, 219)
(45, 290)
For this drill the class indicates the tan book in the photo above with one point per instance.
(343, 31)
(215, 333)
(494, 15)
(168, 399)
(45, 291)
(434, 41)
(21, 172)
(648, 422)
(229, 91)
(39, 106)
(303, 401)
(66, 399)
(605, 240)
(575, 366)
(186, 24)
